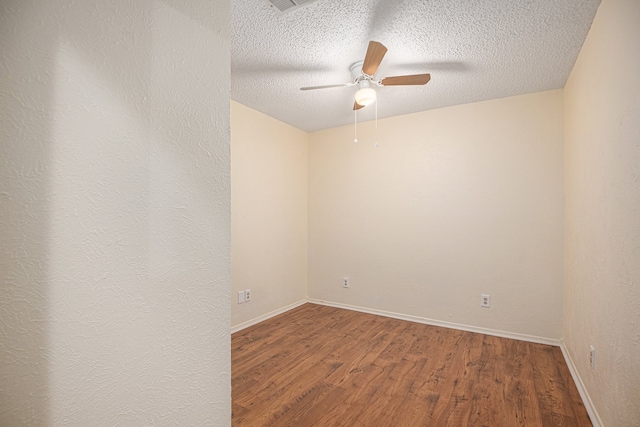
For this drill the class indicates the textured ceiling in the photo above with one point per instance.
(474, 49)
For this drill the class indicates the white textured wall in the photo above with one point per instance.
(454, 203)
(269, 213)
(602, 185)
(114, 213)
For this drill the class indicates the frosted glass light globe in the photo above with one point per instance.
(366, 96)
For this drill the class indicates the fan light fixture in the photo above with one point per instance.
(363, 72)
(366, 96)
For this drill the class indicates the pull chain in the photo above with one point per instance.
(355, 125)
(375, 138)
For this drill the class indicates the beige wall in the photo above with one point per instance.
(114, 213)
(269, 213)
(455, 202)
(602, 184)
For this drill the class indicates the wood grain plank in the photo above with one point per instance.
(323, 366)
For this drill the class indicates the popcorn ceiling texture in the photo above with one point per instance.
(475, 50)
(114, 213)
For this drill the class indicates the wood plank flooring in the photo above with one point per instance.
(323, 366)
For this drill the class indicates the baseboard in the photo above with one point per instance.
(264, 317)
(586, 399)
(444, 324)
(410, 318)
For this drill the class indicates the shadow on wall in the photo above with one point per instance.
(110, 212)
(26, 96)
(66, 157)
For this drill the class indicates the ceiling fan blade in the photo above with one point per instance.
(375, 53)
(327, 86)
(357, 106)
(414, 79)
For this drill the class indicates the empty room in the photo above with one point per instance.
(320, 213)
(434, 257)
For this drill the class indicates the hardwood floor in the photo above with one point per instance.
(323, 366)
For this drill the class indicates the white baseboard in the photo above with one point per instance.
(586, 399)
(264, 317)
(441, 323)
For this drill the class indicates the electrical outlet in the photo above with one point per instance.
(485, 300)
(345, 282)
(592, 357)
(241, 297)
(247, 295)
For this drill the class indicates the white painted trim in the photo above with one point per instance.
(264, 317)
(586, 399)
(441, 323)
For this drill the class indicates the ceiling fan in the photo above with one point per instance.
(363, 72)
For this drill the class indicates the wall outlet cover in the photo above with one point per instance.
(485, 300)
